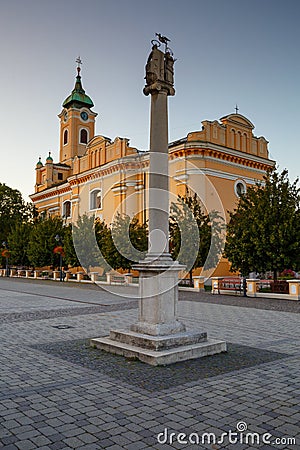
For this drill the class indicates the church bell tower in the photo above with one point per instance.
(77, 122)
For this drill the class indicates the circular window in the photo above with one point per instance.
(240, 188)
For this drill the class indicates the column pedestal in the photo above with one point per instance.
(159, 338)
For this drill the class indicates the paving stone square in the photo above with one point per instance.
(58, 393)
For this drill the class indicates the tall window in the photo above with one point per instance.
(65, 137)
(96, 199)
(67, 209)
(83, 136)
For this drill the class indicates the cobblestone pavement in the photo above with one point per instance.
(57, 394)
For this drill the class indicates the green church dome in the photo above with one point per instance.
(49, 158)
(78, 97)
(39, 163)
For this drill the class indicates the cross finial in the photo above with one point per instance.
(236, 109)
(79, 62)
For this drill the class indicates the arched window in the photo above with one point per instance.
(244, 142)
(65, 137)
(67, 209)
(238, 140)
(232, 138)
(83, 136)
(96, 199)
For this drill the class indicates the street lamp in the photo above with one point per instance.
(244, 282)
(60, 251)
(5, 253)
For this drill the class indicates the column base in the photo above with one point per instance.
(158, 337)
(158, 329)
(159, 350)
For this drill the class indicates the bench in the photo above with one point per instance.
(231, 284)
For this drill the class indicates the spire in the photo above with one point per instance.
(39, 163)
(78, 97)
(79, 62)
(49, 159)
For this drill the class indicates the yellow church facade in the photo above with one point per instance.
(99, 176)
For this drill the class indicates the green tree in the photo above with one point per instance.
(70, 258)
(89, 243)
(104, 242)
(264, 230)
(18, 241)
(42, 241)
(13, 210)
(195, 237)
(128, 243)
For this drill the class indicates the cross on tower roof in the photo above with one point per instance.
(79, 62)
(236, 109)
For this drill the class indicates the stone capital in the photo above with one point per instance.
(159, 87)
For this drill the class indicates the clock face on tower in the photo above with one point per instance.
(84, 115)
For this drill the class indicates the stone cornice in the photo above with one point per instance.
(51, 192)
(206, 150)
(127, 163)
(188, 150)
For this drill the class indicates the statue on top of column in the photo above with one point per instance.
(160, 67)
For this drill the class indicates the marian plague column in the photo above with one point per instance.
(158, 272)
(158, 337)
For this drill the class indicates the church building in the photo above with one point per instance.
(100, 176)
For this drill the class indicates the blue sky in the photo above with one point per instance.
(227, 52)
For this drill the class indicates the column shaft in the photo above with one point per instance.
(159, 175)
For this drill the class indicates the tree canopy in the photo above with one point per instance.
(264, 230)
(18, 242)
(13, 210)
(86, 234)
(42, 241)
(195, 236)
(128, 243)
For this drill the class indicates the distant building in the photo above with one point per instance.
(99, 176)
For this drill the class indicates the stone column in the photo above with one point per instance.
(158, 272)
(199, 282)
(159, 176)
(252, 285)
(79, 276)
(159, 337)
(94, 276)
(294, 289)
(56, 274)
(68, 276)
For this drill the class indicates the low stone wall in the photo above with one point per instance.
(234, 286)
(293, 294)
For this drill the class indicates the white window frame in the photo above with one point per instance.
(92, 199)
(88, 137)
(66, 130)
(64, 209)
(237, 182)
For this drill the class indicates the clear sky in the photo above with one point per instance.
(228, 52)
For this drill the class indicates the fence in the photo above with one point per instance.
(274, 286)
(280, 289)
